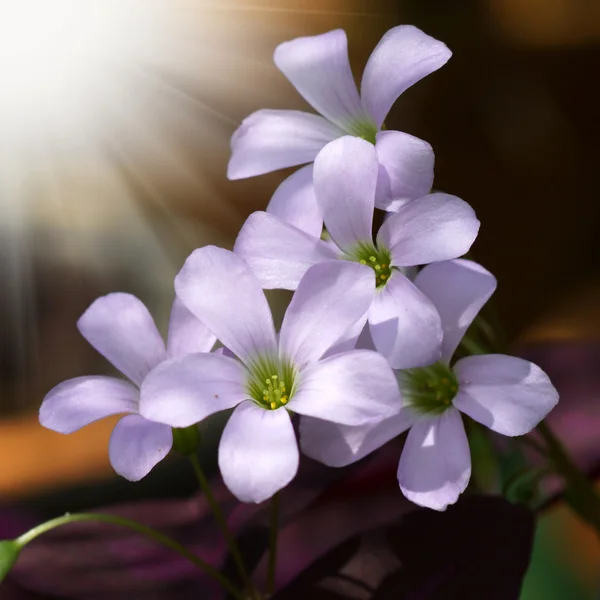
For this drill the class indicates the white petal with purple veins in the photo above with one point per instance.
(459, 289)
(219, 288)
(507, 394)
(345, 176)
(340, 445)
(77, 402)
(269, 140)
(430, 229)
(258, 452)
(318, 67)
(294, 202)
(185, 390)
(137, 445)
(278, 253)
(353, 388)
(187, 334)
(408, 164)
(403, 56)
(435, 466)
(404, 324)
(120, 327)
(330, 300)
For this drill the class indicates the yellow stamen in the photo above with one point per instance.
(273, 405)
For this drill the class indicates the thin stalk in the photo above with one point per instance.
(222, 522)
(580, 493)
(273, 544)
(158, 537)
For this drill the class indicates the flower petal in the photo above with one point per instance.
(278, 253)
(294, 202)
(404, 324)
(120, 327)
(507, 394)
(407, 164)
(258, 452)
(185, 390)
(403, 56)
(352, 388)
(430, 229)
(345, 176)
(187, 335)
(220, 289)
(340, 445)
(318, 67)
(78, 402)
(331, 298)
(458, 288)
(435, 466)
(137, 445)
(269, 140)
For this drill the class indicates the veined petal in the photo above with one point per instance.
(507, 394)
(405, 325)
(318, 67)
(459, 289)
(187, 335)
(120, 327)
(185, 390)
(430, 229)
(435, 466)
(352, 388)
(220, 289)
(78, 402)
(278, 253)
(294, 202)
(340, 445)
(137, 445)
(269, 140)
(403, 56)
(345, 176)
(258, 452)
(407, 164)
(330, 300)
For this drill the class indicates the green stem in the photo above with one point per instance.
(273, 543)
(158, 537)
(220, 518)
(580, 493)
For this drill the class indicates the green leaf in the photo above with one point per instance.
(9, 553)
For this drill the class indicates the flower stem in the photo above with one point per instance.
(221, 521)
(273, 544)
(158, 537)
(579, 493)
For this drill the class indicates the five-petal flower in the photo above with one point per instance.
(319, 69)
(258, 452)
(120, 327)
(404, 324)
(507, 394)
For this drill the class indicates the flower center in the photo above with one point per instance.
(377, 258)
(428, 389)
(364, 128)
(271, 384)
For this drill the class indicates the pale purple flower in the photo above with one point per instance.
(120, 328)
(507, 394)
(319, 69)
(258, 452)
(404, 323)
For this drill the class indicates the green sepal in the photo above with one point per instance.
(9, 553)
(186, 440)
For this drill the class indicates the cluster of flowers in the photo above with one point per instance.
(366, 345)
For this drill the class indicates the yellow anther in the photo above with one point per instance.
(273, 376)
(284, 399)
(377, 268)
(454, 388)
(273, 405)
(383, 276)
(362, 262)
(268, 381)
(372, 259)
(445, 380)
(383, 266)
(265, 397)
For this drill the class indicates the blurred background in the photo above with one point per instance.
(114, 139)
